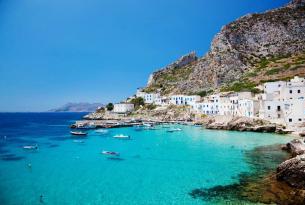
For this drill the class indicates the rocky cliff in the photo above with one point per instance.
(239, 47)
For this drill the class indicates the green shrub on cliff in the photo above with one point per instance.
(241, 86)
(138, 102)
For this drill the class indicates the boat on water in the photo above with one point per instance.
(102, 131)
(30, 147)
(110, 153)
(138, 128)
(174, 130)
(78, 133)
(148, 125)
(79, 141)
(121, 136)
(150, 128)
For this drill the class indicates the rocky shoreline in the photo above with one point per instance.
(243, 124)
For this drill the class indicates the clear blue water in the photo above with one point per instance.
(155, 167)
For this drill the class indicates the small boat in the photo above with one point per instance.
(121, 136)
(78, 133)
(30, 147)
(148, 125)
(102, 131)
(138, 128)
(150, 128)
(110, 153)
(174, 130)
(78, 141)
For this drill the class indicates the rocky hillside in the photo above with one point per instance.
(236, 50)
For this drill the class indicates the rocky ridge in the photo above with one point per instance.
(238, 47)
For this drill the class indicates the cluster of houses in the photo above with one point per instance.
(281, 102)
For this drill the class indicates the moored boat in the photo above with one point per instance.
(78, 133)
(174, 130)
(30, 147)
(78, 141)
(102, 131)
(110, 153)
(121, 136)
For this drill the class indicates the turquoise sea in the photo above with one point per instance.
(155, 166)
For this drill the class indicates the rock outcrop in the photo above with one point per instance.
(295, 147)
(241, 124)
(236, 49)
(292, 171)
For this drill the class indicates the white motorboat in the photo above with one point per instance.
(30, 147)
(174, 130)
(102, 131)
(78, 133)
(121, 136)
(110, 153)
(78, 141)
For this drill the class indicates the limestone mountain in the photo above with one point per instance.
(244, 46)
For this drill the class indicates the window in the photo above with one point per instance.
(279, 116)
(299, 91)
(278, 108)
(290, 120)
(300, 119)
(290, 91)
(269, 107)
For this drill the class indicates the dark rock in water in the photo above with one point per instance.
(12, 157)
(59, 138)
(258, 186)
(115, 158)
(53, 145)
(292, 171)
(295, 147)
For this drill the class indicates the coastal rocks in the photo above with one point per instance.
(240, 124)
(295, 147)
(292, 171)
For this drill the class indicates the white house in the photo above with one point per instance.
(248, 107)
(283, 102)
(123, 108)
(148, 97)
(184, 99)
(161, 101)
(151, 97)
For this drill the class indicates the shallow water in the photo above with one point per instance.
(155, 167)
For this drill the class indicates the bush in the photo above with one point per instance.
(273, 71)
(137, 102)
(241, 86)
(150, 106)
(204, 93)
(109, 106)
(264, 62)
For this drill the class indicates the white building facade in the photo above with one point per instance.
(283, 102)
(184, 99)
(123, 108)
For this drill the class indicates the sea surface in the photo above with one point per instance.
(154, 167)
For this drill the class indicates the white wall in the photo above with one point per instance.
(123, 108)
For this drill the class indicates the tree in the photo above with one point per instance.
(109, 106)
(138, 101)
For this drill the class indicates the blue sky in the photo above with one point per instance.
(58, 51)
